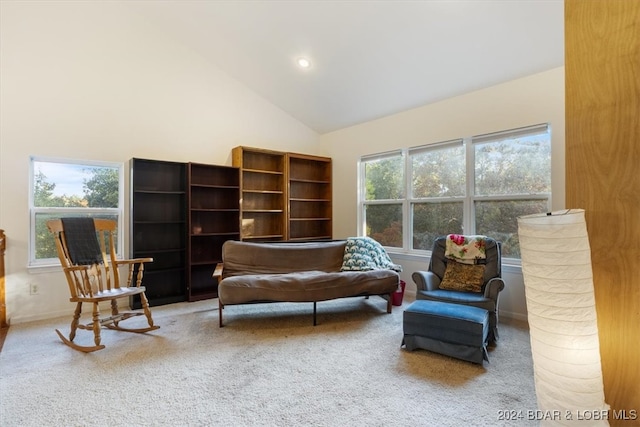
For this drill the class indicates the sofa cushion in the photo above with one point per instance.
(241, 258)
(305, 286)
(454, 297)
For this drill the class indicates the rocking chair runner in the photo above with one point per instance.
(93, 276)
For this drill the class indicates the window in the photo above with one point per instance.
(383, 196)
(512, 177)
(476, 185)
(63, 188)
(438, 190)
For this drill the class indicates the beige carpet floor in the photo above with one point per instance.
(267, 367)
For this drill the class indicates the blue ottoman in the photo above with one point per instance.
(455, 330)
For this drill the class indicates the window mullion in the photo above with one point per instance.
(469, 224)
(407, 215)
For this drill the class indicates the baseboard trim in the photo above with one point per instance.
(3, 335)
(105, 307)
(517, 318)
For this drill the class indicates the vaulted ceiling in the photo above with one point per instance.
(369, 58)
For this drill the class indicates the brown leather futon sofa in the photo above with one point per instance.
(295, 272)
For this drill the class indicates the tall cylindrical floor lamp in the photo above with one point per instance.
(558, 280)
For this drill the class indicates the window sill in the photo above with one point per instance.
(44, 269)
(509, 265)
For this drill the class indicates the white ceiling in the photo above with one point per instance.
(369, 58)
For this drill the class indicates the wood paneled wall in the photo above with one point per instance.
(602, 72)
(3, 307)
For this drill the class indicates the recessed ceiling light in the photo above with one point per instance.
(303, 63)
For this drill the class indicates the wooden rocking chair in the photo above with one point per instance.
(93, 277)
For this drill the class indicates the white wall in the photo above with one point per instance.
(527, 101)
(89, 80)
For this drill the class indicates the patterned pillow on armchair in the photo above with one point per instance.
(463, 277)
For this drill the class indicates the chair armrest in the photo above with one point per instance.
(217, 273)
(426, 280)
(493, 288)
(131, 263)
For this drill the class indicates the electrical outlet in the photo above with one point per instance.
(33, 288)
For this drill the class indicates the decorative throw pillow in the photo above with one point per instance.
(463, 277)
(364, 253)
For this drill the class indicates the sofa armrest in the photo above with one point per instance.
(426, 280)
(493, 288)
(217, 273)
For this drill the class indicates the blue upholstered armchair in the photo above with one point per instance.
(428, 282)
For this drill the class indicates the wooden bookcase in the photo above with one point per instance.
(309, 212)
(262, 180)
(158, 228)
(285, 196)
(182, 213)
(214, 217)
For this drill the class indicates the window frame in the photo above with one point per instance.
(468, 200)
(34, 210)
